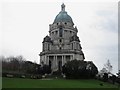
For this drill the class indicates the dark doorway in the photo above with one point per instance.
(50, 63)
(59, 63)
(68, 58)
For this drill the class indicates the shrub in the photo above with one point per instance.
(76, 69)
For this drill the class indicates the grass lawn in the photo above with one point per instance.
(54, 83)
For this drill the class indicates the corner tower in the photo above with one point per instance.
(62, 44)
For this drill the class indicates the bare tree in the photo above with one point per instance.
(118, 74)
(108, 66)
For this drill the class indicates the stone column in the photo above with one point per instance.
(44, 59)
(54, 60)
(73, 45)
(62, 60)
(70, 57)
(56, 64)
(73, 56)
(48, 60)
(52, 64)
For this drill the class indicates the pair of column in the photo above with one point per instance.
(55, 62)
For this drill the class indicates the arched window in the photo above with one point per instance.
(48, 46)
(72, 46)
(60, 48)
(60, 40)
(56, 32)
(60, 31)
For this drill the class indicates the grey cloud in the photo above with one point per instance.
(109, 20)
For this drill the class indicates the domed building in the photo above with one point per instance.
(62, 44)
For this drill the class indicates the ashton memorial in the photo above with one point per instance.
(62, 44)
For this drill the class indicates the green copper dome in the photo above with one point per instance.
(63, 16)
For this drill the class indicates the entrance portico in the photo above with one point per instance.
(56, 61)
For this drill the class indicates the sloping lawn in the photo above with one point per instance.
(53, 83)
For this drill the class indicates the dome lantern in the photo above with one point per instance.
(63, 16)
(63, 7)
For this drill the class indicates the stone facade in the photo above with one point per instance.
(62, 44)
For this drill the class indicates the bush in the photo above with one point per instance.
(113, 78)
(45, 69)
(76, 69)
(21, 75)
(105, 77)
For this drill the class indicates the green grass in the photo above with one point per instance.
(55, 83)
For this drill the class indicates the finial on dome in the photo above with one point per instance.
(63, 7)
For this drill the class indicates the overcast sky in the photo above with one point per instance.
(25, 24)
